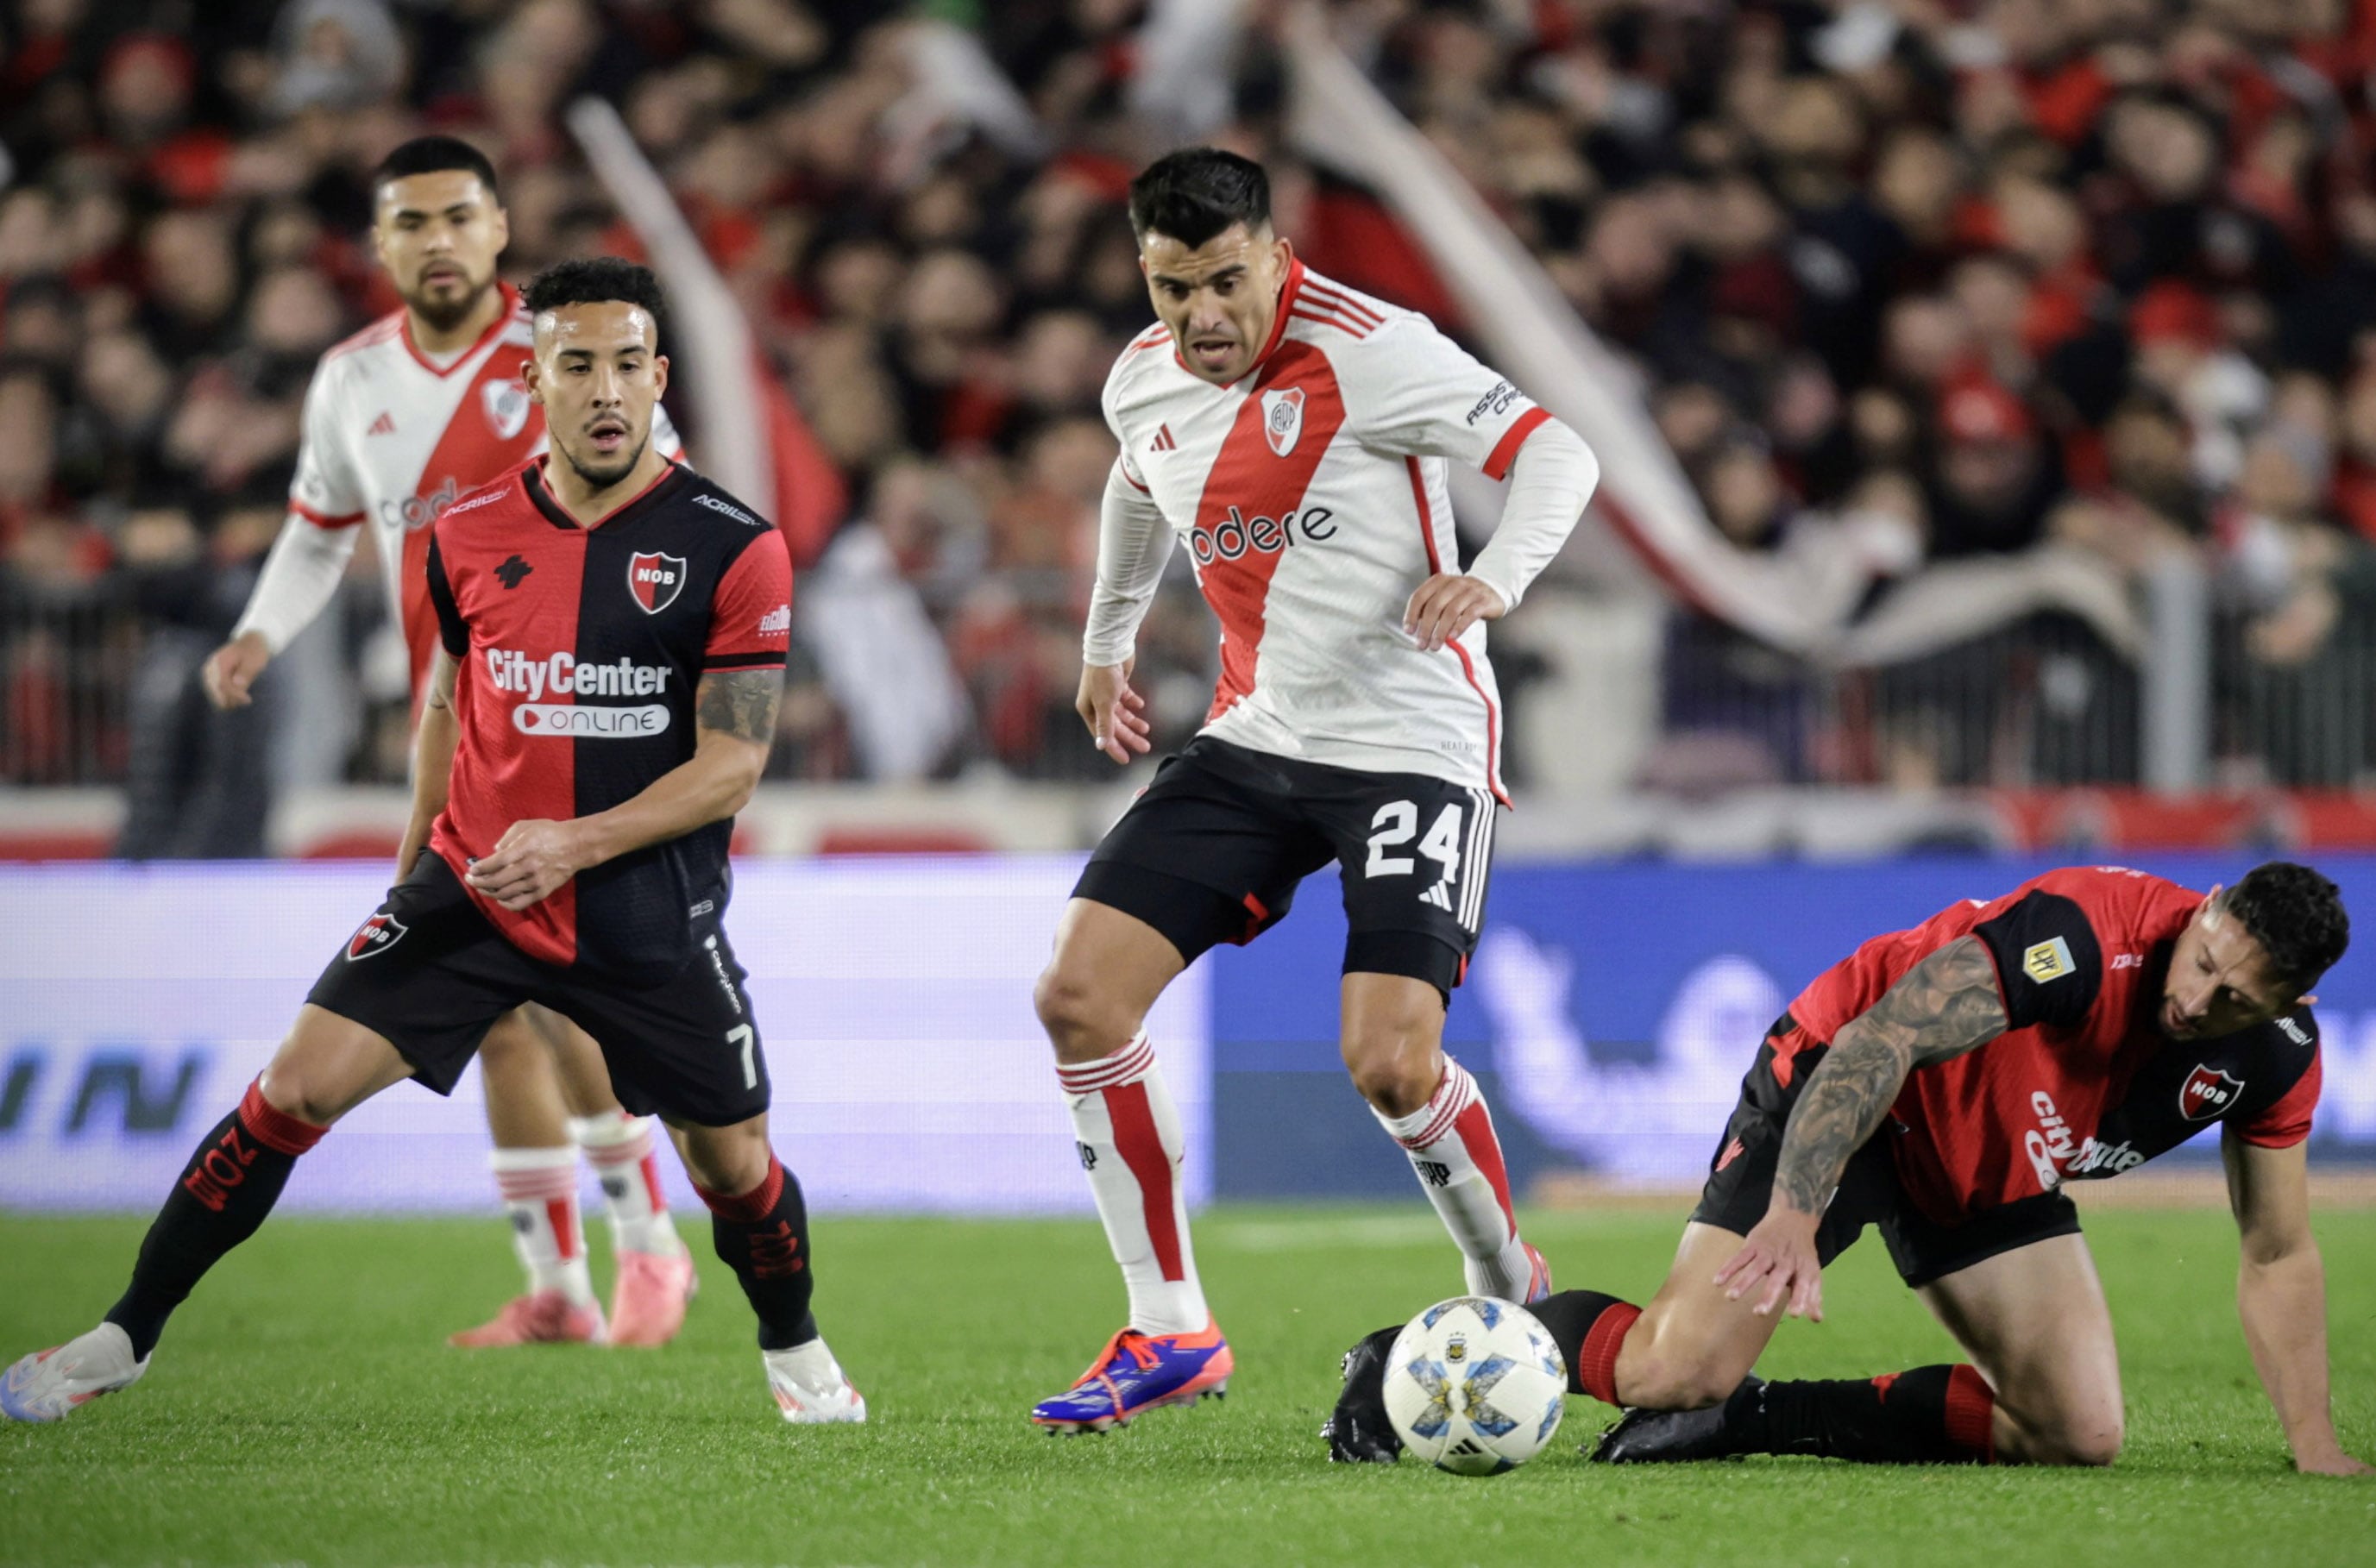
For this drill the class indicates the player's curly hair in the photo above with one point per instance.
(2295, 915)
(1194, 194)
(592, 281)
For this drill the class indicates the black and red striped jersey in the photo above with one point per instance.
(580, 652)
(2083, 1084)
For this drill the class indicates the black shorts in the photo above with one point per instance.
(1213, 850)
(432, 974)
(1740, 1182)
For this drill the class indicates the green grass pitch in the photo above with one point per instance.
(303, 1410)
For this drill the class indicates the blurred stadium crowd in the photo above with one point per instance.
(1981, 272)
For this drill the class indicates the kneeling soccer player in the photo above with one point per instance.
(613, 631)
(1943, 1082)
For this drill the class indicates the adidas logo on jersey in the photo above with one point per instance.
(775, 621)
(384, 426)
(1163, 441)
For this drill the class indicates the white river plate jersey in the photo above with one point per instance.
(1309, 493)
(390, 439)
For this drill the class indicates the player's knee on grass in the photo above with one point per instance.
(2086, 1437)
(1660, 1381)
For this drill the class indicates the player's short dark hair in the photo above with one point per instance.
(594, 281)
(2295, 915)
(1195, 193)
(435, 155)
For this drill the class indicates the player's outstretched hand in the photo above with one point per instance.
(2337, 1463)
(232, 668)
(1778, 1261)
(529, 862)
(1115, 714)
(1446, 605)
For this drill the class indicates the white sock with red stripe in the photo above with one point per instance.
(539, 1189)
(1452, 1146)
(1131, 1146)
(620, 1148)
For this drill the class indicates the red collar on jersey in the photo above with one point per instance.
(503, 319)
(1287, 292)
(532, 477)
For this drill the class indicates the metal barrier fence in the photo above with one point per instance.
(68, 660)
(2044, 702)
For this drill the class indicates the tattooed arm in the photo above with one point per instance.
(1944, 1006)
(735, 712)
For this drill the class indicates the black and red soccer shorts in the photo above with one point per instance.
(432, 974)
(1740, 1182)
(1212, 851)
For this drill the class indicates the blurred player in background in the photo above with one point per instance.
(1294, 435)
(575, 847)
(401, 419)
(1943, 1083)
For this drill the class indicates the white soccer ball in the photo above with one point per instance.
(1475, 1385)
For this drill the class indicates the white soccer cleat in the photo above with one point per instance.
(51, 1385)
(810, 1387)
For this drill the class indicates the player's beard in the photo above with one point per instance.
(608, 474)
(443, 314)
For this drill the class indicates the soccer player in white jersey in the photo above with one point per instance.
(1294, 435)
(422, 405)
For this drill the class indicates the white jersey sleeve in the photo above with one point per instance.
(664, 435)
(325, 504)
(327, 488)
(1410, 391)
(1133, 541)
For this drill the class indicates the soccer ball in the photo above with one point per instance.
(1475, 1385)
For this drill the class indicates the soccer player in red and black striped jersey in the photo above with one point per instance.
(613, 634)
(1944, 1084)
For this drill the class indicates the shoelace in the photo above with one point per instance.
(1127, 1339)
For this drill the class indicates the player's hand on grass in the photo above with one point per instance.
(529, 862)
(231, 670)
(1777, 1265)
(1448, 604)
(1115, 714)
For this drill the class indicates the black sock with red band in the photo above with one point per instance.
(1589, 1329)
(1941, 1415)
(763, 1236)
(231, 1184)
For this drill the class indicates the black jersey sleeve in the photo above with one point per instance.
(2278, 1100)
(2049, 962)
(452, 630)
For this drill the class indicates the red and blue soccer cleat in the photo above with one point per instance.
(1538, 1276)
(1137, 1372)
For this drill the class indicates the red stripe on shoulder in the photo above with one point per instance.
(379, 331)
(1336, 298)
(1347, 327)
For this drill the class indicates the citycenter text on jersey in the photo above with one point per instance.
(564, 673)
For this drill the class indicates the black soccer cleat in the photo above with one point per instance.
(1668, 1437)
(1358, 1430)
